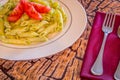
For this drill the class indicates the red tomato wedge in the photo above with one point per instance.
(30, 10)
(16, 13)
(41, 8)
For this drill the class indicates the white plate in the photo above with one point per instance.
(73, 29)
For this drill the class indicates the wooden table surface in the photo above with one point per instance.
(65, 65)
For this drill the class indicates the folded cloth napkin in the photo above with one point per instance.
(111, 54)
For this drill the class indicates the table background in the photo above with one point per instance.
(65, 65)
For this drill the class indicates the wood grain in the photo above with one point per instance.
(65, 65)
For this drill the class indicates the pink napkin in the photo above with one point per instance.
(111, 53)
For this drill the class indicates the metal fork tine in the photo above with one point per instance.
(113, 20)
(107, 24)
(112, 15)
(104, 23)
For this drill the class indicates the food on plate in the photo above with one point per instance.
(25, 22)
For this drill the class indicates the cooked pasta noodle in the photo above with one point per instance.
(28, 34)
(16, 41)
(37, 39)
(1, 27)
(37, 26)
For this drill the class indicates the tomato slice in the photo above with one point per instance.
(41, 8)
(16, 13)
(30, 10)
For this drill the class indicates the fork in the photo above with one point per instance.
(117, 73)
(107, 27)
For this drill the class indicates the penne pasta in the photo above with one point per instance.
(38, 25)
(17, 30)
(28, 34)
(1, 27)
(37, 39)
(64, 16)
(48, 29)
(58, 17)
(6, 23)
(6, 8)
(16, 41)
